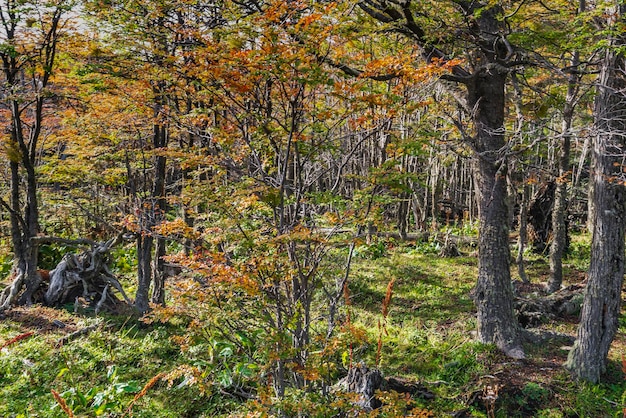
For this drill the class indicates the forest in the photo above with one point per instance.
(312, 208)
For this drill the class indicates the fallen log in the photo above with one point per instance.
(533, 311)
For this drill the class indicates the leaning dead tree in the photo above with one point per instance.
(84, 278)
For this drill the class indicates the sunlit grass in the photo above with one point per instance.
(427, 336)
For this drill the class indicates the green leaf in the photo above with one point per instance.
(226, 351)
(62, 372)
(246, 370)
(129, 387)
(111, 372)
(225, 378)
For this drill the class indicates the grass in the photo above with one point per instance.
(427, 336)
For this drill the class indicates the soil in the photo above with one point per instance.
(43, 320)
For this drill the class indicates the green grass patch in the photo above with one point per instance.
(427, 336)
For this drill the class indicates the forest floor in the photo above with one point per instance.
(426, 337)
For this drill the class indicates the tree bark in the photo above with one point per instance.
(602, 303)
(144, 272)
(494, 294)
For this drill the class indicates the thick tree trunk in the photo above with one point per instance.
(494, 294)
(602, 304)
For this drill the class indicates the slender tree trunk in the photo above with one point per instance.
(523, 233)
(559, 212)
(158, 271)
(152, 213)
(144, 270)
(602, 303)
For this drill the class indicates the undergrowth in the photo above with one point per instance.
(424, 335)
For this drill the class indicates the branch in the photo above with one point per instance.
(5, 205)
(49, 240)
(93, 216)
(356, 72)
(75, 334)
(385, 13)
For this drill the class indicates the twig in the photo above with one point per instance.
(16, 339)
(50, 240)
(103, 299)
(75, 334)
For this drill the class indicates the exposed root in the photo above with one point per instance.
(85, 276)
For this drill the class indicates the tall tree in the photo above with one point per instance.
(153, 39)
(482, 32)
(602, 303)
(29, 36)
(564, 174)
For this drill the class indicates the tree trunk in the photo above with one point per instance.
(152, 214)
(602, 304)
(160, 276)
(158, 270)
(523, 233)
(540, 216)
(559, 212)
(494, 294)
(484, 78)
(144, 270)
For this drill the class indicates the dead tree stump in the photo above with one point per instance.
(81, 279)
(364, 382)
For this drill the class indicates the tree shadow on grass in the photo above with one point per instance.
(416, 294)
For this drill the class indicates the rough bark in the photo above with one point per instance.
(602, 303)
(365, 382)
(144, 270)
(494, 294)
(540, 216)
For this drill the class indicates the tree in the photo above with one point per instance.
(30, 35)
(482, 32)
(602, 303)
(153, 40)
(564, 174)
